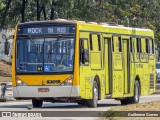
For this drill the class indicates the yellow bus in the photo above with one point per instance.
(75, 61)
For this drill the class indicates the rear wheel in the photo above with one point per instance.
(37, 103)
(135, 98)
(94, 101)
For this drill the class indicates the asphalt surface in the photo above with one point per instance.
(103, 105)
(158, 86)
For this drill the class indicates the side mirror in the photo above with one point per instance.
(6, 47)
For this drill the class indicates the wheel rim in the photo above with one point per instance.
(136, 93)
(95, 95)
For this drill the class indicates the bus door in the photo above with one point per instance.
(117, 70)
(126, 64)
(108, 65)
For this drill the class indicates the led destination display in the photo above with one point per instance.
(47, 30)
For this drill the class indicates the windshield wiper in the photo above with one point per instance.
(36, 47)
(51, 49)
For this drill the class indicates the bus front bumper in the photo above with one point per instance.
(54, 91)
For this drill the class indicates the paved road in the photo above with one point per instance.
(103, 105)
(158, 86)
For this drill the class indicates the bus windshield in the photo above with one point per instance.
(44, 55)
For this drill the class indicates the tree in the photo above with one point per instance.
(5, 13)
(24, 2)
(44, 12)
(38, 10)
(52, 15)
(135, 13)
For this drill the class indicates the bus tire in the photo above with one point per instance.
(37, 103)
(135, 98)
(81, 103)
(94, 101)
(124, 101)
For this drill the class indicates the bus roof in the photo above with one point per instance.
(64, 21)
(97, 26)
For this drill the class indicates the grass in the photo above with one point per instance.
(5, 79)
(5, 72)
(116, 114)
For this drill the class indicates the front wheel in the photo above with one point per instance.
(94, 101)
(37, 103)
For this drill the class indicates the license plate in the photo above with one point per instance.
(43, 89)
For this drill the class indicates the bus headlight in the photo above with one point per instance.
(20, 82)
(68, 81)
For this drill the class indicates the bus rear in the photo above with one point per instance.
(43, 62)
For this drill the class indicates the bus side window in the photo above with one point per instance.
(90, 39)
(95, 43)
(131, 45)
(120, 44)
(99, 42)
(84, 51)
(147, 45)
(152, 46)
(112, 43)
(139, 44)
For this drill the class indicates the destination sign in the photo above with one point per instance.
(46, 30)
